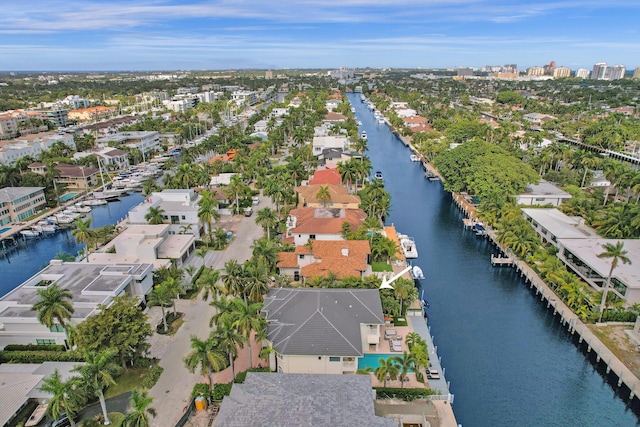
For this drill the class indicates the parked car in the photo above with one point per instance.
(255, 201)
(248, 211)
(63, 421)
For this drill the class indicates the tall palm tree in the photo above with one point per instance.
(615, 253)
(267, 251)
(387, 368)
(161, 295)
(256, 279)
(207, 212)
(208, 355)
(83, 234)
(246, 318)
(412, 339)
(266, 217)
(66, 396)
(140, 403)
(155, 216)
(324, 195)
(222, 307)
(54, 306)
(229, 339)
(97, 373)
(402, 290)
(406, 362)
(174, 289)
(208, 282)
(233, 278)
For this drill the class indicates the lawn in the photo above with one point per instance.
(380, 266)
(130, 379)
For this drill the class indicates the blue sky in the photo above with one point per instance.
(222, 34)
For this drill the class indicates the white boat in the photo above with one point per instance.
(378, 175)
(102, 195)
(63, 219)
(353, 110)
(83, 209)
(30, 234)
(37, 415)
(414, 158)
(95, 202)
(408, 246)
(416, 272)
(359, 123)
(363, 135)
(381, 121)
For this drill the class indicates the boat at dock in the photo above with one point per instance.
(408, 246)
(480, 229)
(414, 158)
(95, 202)
(363, 135)
(37, 415)
(416, 273)
(30, 234)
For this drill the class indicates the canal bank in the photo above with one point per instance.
(509, 361)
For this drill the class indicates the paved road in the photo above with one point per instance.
(172, 394)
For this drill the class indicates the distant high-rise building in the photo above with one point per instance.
(268, 74)
(535, 71)
(510, 68)
(465, 72)
(582, 73)
(561, 72)
(636, 73)
(615, 72)
(599, 70)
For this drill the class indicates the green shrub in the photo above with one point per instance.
(241, 376)
(152, 377)
(406, 394)
(221, 390)
(201, 389)
(39, 356)
(34, 347)
(400, 321)
(196, 276)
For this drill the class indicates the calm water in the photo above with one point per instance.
(510, 363)
(32, 255)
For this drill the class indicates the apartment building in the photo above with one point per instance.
(20, 203)
(145, 141)
(31, 145)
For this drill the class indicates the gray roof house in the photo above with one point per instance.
(322, 330)
(282, 400)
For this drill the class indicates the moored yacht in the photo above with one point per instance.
(416, 273)
(363, 135)
(408, 246)
(414, 158)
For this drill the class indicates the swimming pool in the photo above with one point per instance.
(372, 360)
(5, 229)
(67, 196)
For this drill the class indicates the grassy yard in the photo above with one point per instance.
(378, 267)
(128, 380)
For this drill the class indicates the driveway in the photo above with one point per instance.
(172, 393)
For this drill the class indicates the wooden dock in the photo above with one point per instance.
(500, 261)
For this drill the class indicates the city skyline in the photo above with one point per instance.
(185, 34)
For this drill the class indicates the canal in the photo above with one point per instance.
(509, 361)
(32, 255)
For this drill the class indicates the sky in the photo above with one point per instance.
(123, 35)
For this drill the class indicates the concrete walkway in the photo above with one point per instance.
(419, 325)
(172, 394)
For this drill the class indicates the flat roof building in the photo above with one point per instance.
(541, 194)
(19, 203)
(551, 225)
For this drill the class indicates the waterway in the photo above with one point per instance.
(509, 361)
(32, 255)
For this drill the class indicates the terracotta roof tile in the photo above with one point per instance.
(339, 194)
(325, 176)
(326, 220)
(287, 260)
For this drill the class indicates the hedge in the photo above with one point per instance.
(151, 378)
(40, 356)
(34, 347)
(243, 375)
(197, 275)
(406, 394)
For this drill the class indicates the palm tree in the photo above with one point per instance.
(233, 278)
(412, 339)
(161, 295)
(83, 234)
(207, 212)
(387, 369)
(208, 355)
(66, 396)
(155, 216)
(616, 253)
(266, 217)
(54, 306)
(255, 279)
(402, 290)
(324, 195)
(208, 281)
(246, 318)
(174, 289)
(229, 339)
(222, 307)
(141, 410)
(406, 362)
(97, 373)
(267, 251)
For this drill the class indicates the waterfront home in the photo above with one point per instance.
(321, 331)
(551, 225)
(342, 258)
(537, 118)
(541, 194)
(330, 157)
(325, 176)
(332, 104)
(321, 143)
(333, 118)
(77, 177)
(19, 203)
(149, 244)
(340, 197)
(90, 284)
(92, 114)
(145, 141)
(21, 382)
(111, 158)
(304, 400)
(581, 256)
(180, 210)
(306, 224)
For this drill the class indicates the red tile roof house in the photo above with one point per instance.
(321, 223)
(326, 176)
(343, 258)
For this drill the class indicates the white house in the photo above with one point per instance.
(544, 193)
(180, 211)
(31, 145)
(90, 285)
(552, 225)
(321, 331)
(321, 143)
(144, 141)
